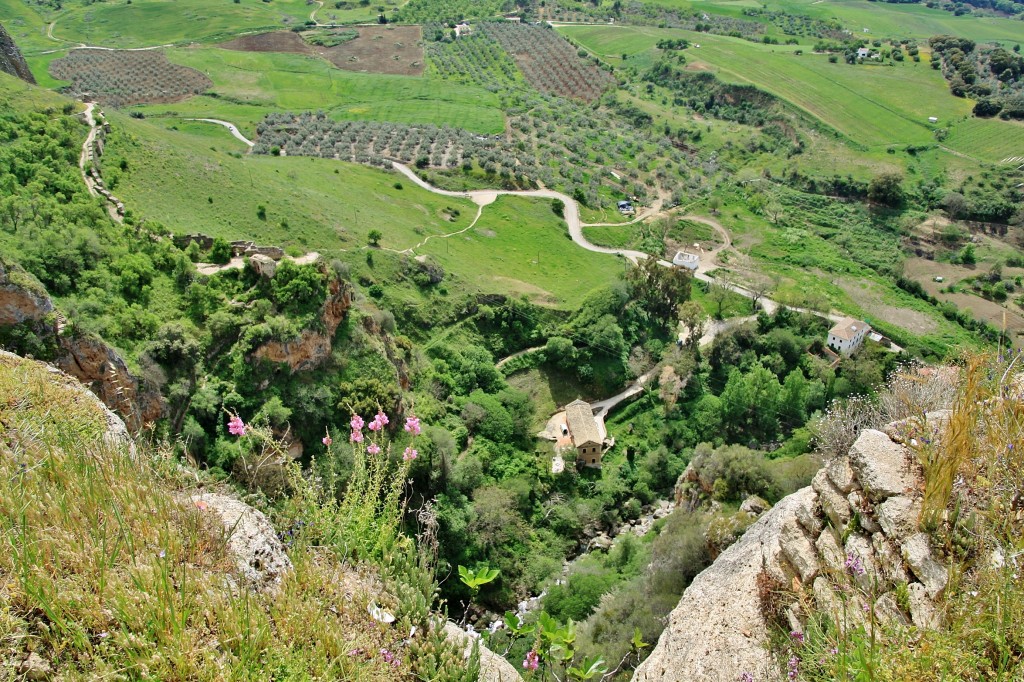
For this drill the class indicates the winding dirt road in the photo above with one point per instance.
(230, 126)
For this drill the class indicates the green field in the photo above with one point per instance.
(144, 23)
(872, 105)
(330, 206)
(249, 85)
(988, 139)
(521, 247)
(883, 20)
(26, 27)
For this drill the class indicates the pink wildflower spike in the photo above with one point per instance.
(412, 424)
(356, 423)
(356, 437)
(236, 427)
(381, 418)
(532, 660)
(327, 440)
(410, 454)
(373, 448)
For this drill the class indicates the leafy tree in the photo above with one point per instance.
(886, 189)
(374, 236)
(693, 317)
(659, 290)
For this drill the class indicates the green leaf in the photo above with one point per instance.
(590, 668)
(638, 641)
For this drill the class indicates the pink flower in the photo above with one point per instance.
(356, 423)
(410, 454)
(798, 636)
(412, 425)
(236, 427)
(356, 437)
(373, 448)
(327, 440)
(532, 660)
(379, 422)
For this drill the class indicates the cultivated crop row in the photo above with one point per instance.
(474, 58)
(549, 62)
(122, 78)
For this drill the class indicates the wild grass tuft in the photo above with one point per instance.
(107, 571)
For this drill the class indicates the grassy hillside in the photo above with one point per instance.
(873, 106)
(110, 568)
(145, 23)
(883, 20)
(248, 85)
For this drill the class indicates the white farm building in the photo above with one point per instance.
(847, 335)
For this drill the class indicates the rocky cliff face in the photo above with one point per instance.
(861, 510)
(11, 60)
(313, 347)
(25, 303)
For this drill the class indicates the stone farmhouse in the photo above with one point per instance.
(587, 434)
(847, 335)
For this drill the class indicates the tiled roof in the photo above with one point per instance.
(580, 418)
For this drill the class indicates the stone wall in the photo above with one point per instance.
(856, 524)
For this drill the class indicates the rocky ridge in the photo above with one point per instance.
(24, 303)
(858, 520)
(11, 60)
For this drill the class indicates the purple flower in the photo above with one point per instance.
(532, 660)
(854, 564)
(747, 677)
(410, 454)
(373, 448)
(236, 427)
(412, 424)
(797, 636)
(794, 667)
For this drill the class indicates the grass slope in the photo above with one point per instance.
(521, 247)
(248, 85)
(874, 106)
(193, 179)
(883, 20)
(109, 570)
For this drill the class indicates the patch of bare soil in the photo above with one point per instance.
(122, 78)
(867, 296)
(276, 41)
(388, 49)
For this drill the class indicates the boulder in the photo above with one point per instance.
(890, 563)
(887, 610)
(858, 546)
(35, 667)
(829, 550)
(717, 632)
(841, 474)
(865, 511)
(922, 609)
(755, 505)
(798, 550)
(917, 552)
(883, 467)
(493, 668)
(898, 517)
(809, 515)
(835, 506)
(258, 553)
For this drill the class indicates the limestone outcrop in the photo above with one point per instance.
(258, 553)
(11, 60)
(493, 668)
(24, 303)
(857, 524)
(313, 346)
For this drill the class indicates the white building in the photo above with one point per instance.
(685, 259)
(863, 53)
(847, 335)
